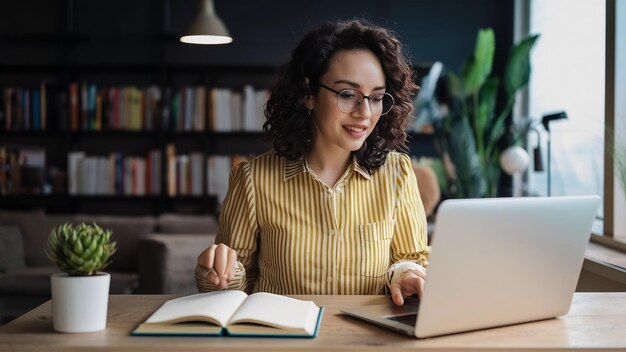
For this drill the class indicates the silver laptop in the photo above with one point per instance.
(495, 262)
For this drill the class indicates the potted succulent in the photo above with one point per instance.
(80, 294)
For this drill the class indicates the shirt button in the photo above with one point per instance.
(329, 279)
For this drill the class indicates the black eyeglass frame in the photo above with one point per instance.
(338, 92)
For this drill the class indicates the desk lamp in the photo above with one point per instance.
(546, 124)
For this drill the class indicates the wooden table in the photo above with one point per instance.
(595, 321)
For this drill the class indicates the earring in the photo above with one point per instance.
(309, 112)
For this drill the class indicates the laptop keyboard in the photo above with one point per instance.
(409, 319)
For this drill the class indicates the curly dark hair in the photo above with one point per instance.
(288, 126)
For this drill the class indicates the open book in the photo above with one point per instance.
(234, 313)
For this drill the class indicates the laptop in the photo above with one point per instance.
(494, 262)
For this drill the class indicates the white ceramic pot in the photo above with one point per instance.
(79, 303)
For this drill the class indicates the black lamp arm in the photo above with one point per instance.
(554, 116)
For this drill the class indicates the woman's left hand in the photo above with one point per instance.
(409, 283)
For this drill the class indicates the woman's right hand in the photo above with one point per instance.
(221, 261)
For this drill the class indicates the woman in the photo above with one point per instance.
(332, 206)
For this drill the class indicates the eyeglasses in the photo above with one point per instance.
(348, 100)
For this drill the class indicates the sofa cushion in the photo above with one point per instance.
(11, 248)
(36, 239)
(36, 282)
(127, 231)
(167, 262)
(35, 227)
(186, 224)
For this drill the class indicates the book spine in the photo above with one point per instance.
(171, 170)
(3, 173)
(74, 107)
(25, 109)
(36, 110)
(43, 106)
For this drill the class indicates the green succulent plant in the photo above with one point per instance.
(80, 250)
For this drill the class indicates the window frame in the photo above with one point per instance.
(609, 124)
(603, 231)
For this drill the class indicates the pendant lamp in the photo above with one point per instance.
(206, 27)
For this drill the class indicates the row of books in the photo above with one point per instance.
(25, 108)
(117, 174)
(188, 174)
(22, 170)
(87, 107)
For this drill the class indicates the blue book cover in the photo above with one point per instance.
(35, 110)
(175, 113)
(91, 107)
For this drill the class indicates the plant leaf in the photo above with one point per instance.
(487, 105)
(454, 85)
(470, 181)
(478, 66)
(517, 70)
(497, 129)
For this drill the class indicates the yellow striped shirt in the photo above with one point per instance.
(295, 235)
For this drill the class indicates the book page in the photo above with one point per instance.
(216, 307)
(182, 329)
(277, 311)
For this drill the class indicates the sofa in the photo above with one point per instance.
(25, 269)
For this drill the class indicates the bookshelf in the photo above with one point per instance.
(62, 138)
(62, 57)
(57, 145)
(53, 60)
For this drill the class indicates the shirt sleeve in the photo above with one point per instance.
(409, 241)
(409, 244)
(238, 230)
(237, 283)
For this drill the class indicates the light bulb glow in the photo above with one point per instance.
(206, 39)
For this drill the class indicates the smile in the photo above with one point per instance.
(355, 128)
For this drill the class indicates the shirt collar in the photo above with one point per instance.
(360, 169)
(295, 167)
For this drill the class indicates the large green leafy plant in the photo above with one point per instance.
(80, 250)
(474, 130)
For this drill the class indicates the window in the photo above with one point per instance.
(568, 66)
(572, 72)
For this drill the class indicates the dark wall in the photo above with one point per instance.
(144, 31)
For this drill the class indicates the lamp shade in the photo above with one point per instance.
(514, 159)
(206, 27)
